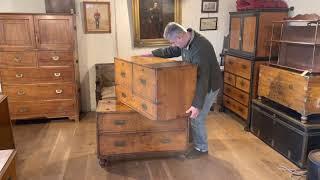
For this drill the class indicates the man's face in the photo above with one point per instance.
(179, 40)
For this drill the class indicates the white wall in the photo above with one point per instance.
(304, 6)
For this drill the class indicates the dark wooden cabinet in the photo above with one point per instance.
(6, 136)
(250, 32)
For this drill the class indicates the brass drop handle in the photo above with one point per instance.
(143, 81)
(243, 66)
(144, 106)
(119, 122)
(19, 75)
(55, 58)
(165, 141)
(120, 143)
(123, 95)
(123, 74)
(21, 92)
(17, 59)
(59, 91)
(57, 74)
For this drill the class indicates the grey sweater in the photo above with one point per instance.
(199, 52)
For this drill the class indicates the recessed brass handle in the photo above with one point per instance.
(243, 66)
(119, 122)
(143, 81)
(57, 74)
(290, 86)
(21, 92)
(120, 143)
(59, 91)
(144, 106)
(123, 74)
(17, 59)
(230, 62)
(228, 90)
(165, 141)
(241, 83)
(23, 109)
(19, 75)
(229, 78)
(241, 96)
(123, 95)
(55, 58)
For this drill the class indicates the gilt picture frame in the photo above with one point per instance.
(97, 17)
(150, 18)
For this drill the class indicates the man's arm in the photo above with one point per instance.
(169, 52)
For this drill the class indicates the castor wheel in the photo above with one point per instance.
(304, 119)
(104, 162)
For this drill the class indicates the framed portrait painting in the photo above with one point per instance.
(97, 17)
(207, 24)
(209, 6)
(150, 17)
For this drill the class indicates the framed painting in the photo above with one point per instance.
(208, 23)
(150, 17)
(97, 17)
(209, 6)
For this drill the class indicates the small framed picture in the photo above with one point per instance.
(97, 17)
(208, 23)
(209, 6)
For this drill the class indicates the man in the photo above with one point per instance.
(195, 49)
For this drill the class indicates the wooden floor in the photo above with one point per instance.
(66, 150)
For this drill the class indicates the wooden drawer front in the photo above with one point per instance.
(123, 94)
(32, 75)
(39, 91)
(41, 108)
(229, 79)
(236, 94)
(132, 122)
(123, 73)
(17, 59)
(142, 142)
(144, 82)
(238, 66)
(243, 84)
(236, 107)
(55, 58)
(145, 107)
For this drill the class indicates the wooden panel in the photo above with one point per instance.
(236, 107)
(8, 165)
(123, 94)
(229, 78)
(39, 91)
(18, 59)
(17, 32)
(243, 84)
(123, 73)
(256, 78)
(238, 66)
(236, 94)
(144, 82)
(142, 142)
(6, 136)
(313, 102)
(235, 32)
(144, 107)
(55, 58)
(249, 33)
(54, 32)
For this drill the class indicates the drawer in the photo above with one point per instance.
(145, 107)
(229, 78)
(18, 59)
(123, 94)
(112, 144)
(35, 75)
(123, 73)
(238, 66)
(236, 94)
(57, 108)
(133, 122)
(243, 84)
(39, 91)
(236, 107)
(55, 58)
(144, 82)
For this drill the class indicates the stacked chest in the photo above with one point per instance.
(157, 88)
(122, 132)
(38, 65)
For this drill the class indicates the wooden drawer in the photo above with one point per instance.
(123, 73)
(243, 84)
(34, 75)
(39, 91)
(123, 94)
(33, 109)
(144, 82)
(236, 94)
(145, 107)
(110, 144)
(18, 59)
(238, 66)
(229, 78)
(236, 107)
(55, 58)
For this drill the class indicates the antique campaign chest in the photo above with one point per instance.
(158, 88)
(123, 133)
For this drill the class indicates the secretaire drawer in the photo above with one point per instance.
(238, 66)
(229, 78)
(123, 73)
(243, 84)
(142, 142)
(144, 82)
(236, 107)
(145, 107)
(236, 94)
(18, 59)
(123, 94)
(55, 58)
(39, 91)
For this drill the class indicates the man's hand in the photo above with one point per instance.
(194, 112)
(147, 55)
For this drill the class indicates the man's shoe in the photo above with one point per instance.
(194, 154)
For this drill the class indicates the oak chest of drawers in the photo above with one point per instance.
(158, 88)
(123, 133)
(38, 65)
